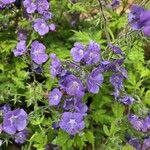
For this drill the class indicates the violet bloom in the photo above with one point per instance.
(38, 54)
(147, 122)
(81, 107)
(52, 27)
(127, 100)
(30, 6)
(14, 121)
(77, 52)
(122, 71)
(5, 108)
(135, 143)
(75, 104)
(54, 97)
(92, 54)
(134, 17)
(41, 26)
(72, 123)
(69, 104)
(21, 136)
(116, 49)
(42, 6)
(7, 1)
(137, 123)
(2, 5)
(20, 49)
(22, 34)
(94, 81)
(56, 66)
(73, 86)
(146, 144)
(115, 3)
(117, 81)
(145, 21)
(113, 65)
(47, 15)
(116, 93)
(37, 68)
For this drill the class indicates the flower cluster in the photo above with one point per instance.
(142, 125)
(84, 74)
(139, 19)
(40, 9)
(115, 3)
(4, 3)
(21, 47)
(14, 123)
(138, 145)
(37, 53)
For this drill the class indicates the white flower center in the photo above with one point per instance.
(72, 123)
(81, 52)
(43, 25)
(56, 97)
(75, 85)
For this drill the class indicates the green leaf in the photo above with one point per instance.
(118, 110)
(90, 137)
(147, 97)
(106, 130)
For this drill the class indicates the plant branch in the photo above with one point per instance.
(105, 21)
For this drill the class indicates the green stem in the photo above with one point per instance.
(105, 22)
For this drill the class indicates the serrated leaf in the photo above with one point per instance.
(106, 130)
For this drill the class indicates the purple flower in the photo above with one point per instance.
(113, 65)
(116, 93)
(77, 52)
(146, 144)
(41, 26)
(22, 34)
(80, 107)
(37, 68)
(52, 27)
(15, 121)
(127, 100)
(21, 136)
(2, 5)
(122, 71)
(146, 31)
(145, 18)
(147, 122)
(75, 104)
(69, 104)
(42, 6)
(94, 81)
(54, 97)
(30, 6)
(47, 15)
(73, 86)
(135, 143)
(137, 123)
(116, 49)
(115, 3)
(92, 54)
(8, 1)
(117, 81)
(145, 21)
(72, 123)
(38, 54)
(5, 108)
(134, 17)
(56, 66)
(20, 49)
